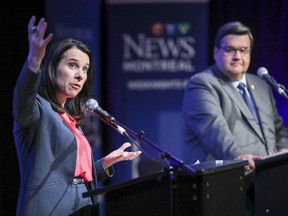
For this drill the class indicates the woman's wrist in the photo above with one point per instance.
(33, 64)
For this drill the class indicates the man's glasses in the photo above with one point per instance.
(231, 51)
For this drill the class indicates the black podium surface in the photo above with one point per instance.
(216, 188)
(271, 186)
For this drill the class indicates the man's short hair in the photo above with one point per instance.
(234, 28)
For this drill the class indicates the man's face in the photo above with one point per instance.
(233, 55)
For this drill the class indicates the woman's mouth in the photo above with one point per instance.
(76, 86)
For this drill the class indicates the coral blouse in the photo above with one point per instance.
(84, 153)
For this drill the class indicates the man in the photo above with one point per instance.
(218, 122)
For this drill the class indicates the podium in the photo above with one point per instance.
(270, 182)
(216, 188)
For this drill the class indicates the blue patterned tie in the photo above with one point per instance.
(248, 100)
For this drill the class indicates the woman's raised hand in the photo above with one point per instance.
(37, 43)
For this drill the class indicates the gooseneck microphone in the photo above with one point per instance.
(92, 105)
(262, 73)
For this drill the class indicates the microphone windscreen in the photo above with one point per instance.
(261, 72)
(91, 104)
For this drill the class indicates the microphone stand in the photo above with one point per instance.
(282, 90)
(174, 163)
(279, 87)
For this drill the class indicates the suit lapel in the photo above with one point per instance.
(237, 99)
(255, 94)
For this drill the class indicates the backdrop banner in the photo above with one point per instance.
(152, 49)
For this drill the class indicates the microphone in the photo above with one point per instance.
(262, 73)
(92, 105)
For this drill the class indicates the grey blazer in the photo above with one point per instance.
(46, 150)
(219, 125)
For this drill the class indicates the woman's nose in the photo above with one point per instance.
(79, 74)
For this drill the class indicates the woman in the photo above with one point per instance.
(55, 158)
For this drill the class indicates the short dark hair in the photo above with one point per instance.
(48, 87)
(235, 28)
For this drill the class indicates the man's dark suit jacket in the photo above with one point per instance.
(218, 123)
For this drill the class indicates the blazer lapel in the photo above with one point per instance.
(237, 99)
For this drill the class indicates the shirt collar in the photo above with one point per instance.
(236, 83)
